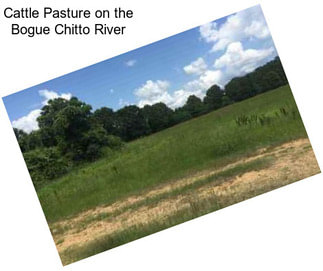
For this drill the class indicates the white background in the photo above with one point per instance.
(281, 230)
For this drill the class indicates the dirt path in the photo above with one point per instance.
(292, 161)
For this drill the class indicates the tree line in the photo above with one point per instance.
(71, 132)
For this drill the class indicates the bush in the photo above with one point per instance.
(93, 152)
(114, 142)
(180, 115)
(45, 165)
(89, 147)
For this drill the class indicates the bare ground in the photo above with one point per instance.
(293, 161)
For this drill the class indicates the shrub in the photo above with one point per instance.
(90, 146)
(93, 151)
(45, 165)
(114, 142)
(284, 112)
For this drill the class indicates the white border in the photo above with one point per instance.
(281, 230)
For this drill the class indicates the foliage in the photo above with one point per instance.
(180, 115)
(19, 133)
(79, 134)
(239, 89)
(45, 164)
(226, 100)
(194, 106)
(114, 142)
(106, 117)
(46, 120)
(213, 98)
(211, 140)
(264, 78)
(158, 116)
(89, 146)
(131, 123)
(264, 119)
(30, 141)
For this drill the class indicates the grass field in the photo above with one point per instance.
(209, 141)
(196, 167)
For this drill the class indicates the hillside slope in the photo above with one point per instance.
(105, 227)
(210, 141)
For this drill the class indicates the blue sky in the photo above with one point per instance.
(165, 71)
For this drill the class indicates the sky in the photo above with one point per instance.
(166, 71)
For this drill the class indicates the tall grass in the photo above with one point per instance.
(193, 210)
(208, 141)
(190, 188)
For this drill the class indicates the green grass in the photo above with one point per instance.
(195, 209)
(215, 179)
(73, 254)
(206, 142)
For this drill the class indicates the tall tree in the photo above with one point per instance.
(107, 118)
(240, 88)
(131, 123)
(194, 106)
(22, 138)
(213, 98)
(272, 80)
(264, 78)
(180, 115)
(47, 118)
(70, 124)
(158, 116)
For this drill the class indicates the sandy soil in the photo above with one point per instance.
(292, 161)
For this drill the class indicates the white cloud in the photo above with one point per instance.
(179, 97)
(209, 32)
(158, 91)
(204, 82)
(210, 78)
(196, 67)
(50, 95)
(131, 62)
(257, 29)
(153, 92)
(237, 62)
(234, 62)
(29, 122)
(246, 24)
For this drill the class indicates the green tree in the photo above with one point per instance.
(213, 98)
(240, 88)
(29, 141)
(22, 139)
(131, 123)
(70, 125)
(34, 140)
(225, 100)
(89, 147)
(264, 78)
(272, 80)
(180, 115)
(47, 118)
(158, 116)
(194, 106)
(45, 165)
(106, 117)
